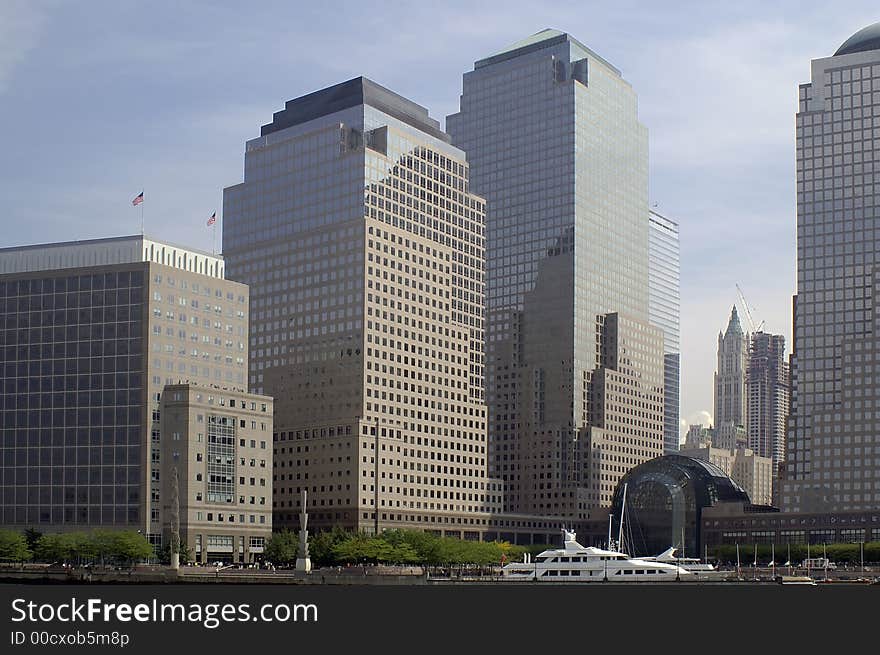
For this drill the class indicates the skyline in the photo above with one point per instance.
(103, 103)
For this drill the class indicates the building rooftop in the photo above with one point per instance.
(538, 41)
(109, 241)
(867, 38)
(108, 251)
(354, 92)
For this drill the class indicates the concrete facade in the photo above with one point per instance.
(217, 445)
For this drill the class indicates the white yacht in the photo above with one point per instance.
(576, 563)
(700, 570)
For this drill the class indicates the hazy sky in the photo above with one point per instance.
(99, 100)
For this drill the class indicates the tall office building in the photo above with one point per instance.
(554, 143)
(832, 459)
(731, 402)
(364, 251)
(90, 334)
(664, 311)
(767, 390)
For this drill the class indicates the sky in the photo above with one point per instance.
(102, 99)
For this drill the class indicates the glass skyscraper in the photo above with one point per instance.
(554, 143)
(832, 459)
(664, 311)
(364, 247)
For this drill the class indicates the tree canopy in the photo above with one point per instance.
(337, 547)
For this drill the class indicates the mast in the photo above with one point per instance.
(622, 514)
(825, 560)
(610, 516)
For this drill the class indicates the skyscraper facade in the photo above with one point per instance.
(832, 459)
(664, 311)
(767, 388)
(554, 144)
(731, 403)
(90, 333)
(364, 247)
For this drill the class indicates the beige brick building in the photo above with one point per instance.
(217, 446)
(367, 312)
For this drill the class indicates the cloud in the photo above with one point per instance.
(21, 24)
(702, 417)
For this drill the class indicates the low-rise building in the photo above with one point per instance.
(217, 451)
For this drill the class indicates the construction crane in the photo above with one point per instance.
(749, 318)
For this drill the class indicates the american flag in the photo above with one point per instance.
(213, 219)
(138, 199)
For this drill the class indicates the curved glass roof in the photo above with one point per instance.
(865, 39)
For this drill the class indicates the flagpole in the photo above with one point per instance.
(142, 213)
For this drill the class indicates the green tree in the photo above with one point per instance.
(281, 547)
(357, 548)
(32, 536)
(13, 547)
(129, 546)
(54, 548)
(100, 545)
(81, 547)
(186, 554)
(425, 545)
(321, 545)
